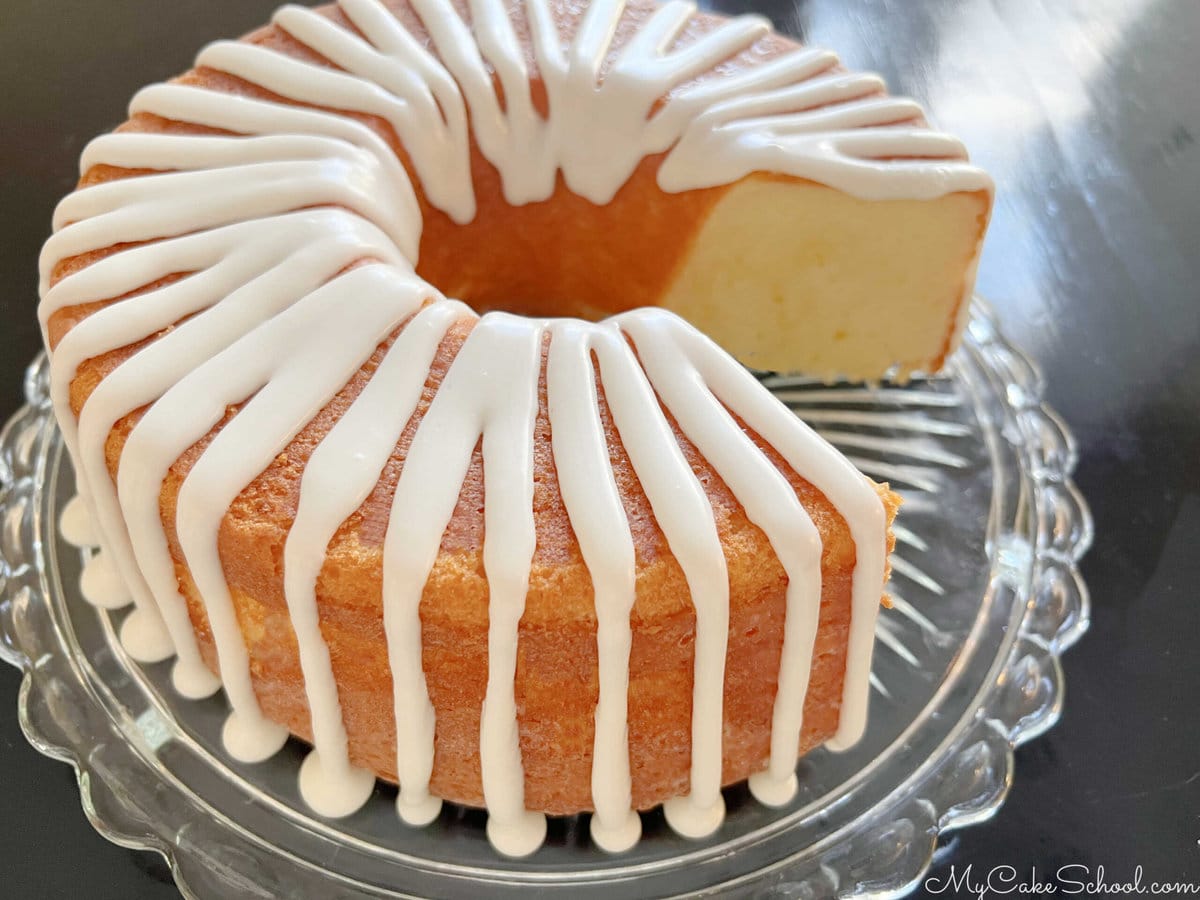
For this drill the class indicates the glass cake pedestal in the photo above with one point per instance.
(986, 595)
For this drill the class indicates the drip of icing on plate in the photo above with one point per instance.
(269, 220)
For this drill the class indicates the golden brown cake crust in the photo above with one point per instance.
(556, 683)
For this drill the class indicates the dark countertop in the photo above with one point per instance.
(1088, 114)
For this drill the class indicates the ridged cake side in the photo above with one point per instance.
(557, 678)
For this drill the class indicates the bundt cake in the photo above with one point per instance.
(552, 551)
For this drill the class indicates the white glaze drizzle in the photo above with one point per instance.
(506, 392)
(597, 515)
(99, 581)
(265, 315)
(75, 524)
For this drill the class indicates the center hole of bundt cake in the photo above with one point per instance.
(565, 256)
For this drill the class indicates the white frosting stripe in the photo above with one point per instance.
(662, 29)
(512, 348)
(862, 114)
(597, 515)
(264, 312)
(422, 505)
(698, 57)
